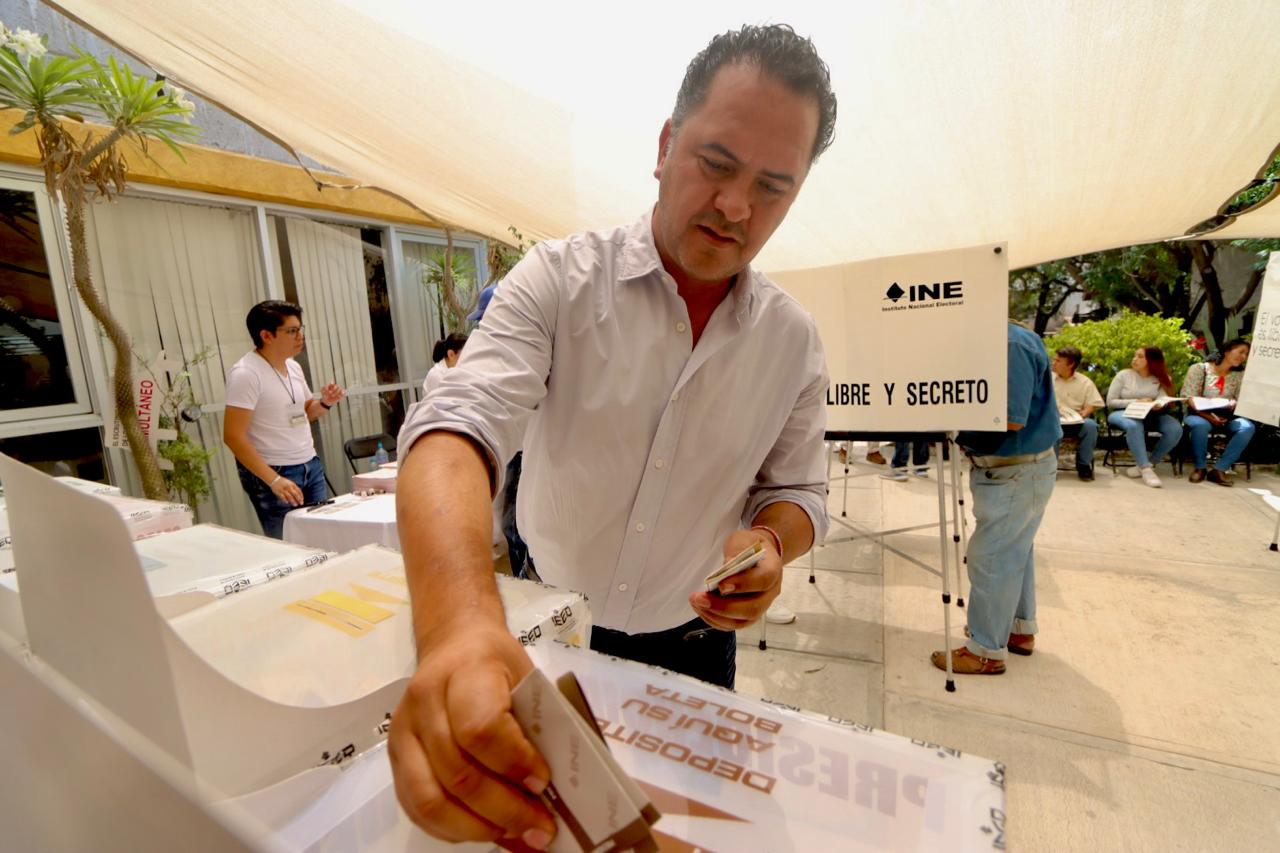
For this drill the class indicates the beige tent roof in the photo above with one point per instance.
(1059, 127)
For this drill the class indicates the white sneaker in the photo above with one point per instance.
(1135, 472)
(921, 472)
(895, 474)
(779, 615)
(1149, 477)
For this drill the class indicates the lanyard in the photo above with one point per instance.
(292, 399)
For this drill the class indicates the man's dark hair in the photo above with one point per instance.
(454, 342)
(1071, 354)
(269, 316)
(776, 50)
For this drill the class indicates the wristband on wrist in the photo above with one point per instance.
(773, 534)
(272, 484)
(327, 407)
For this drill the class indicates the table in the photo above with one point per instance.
(347, 523)
(383, 479)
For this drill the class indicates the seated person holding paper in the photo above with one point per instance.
(1077, 398)
(1213, 387)
(1146, 380)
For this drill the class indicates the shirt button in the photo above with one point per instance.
(640, 527)
(680, 327)
(659, 463)
(622, 587)
(675, 396)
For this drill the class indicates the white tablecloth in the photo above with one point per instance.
(345, 524)
(383, 479)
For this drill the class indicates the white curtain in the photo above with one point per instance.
(423, 301)
(182, 277)
(329, 273)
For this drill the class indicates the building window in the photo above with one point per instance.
(40, 369)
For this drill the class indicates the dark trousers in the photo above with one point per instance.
(309, 476)
(693, 648)
(517, 551)
(918, 449)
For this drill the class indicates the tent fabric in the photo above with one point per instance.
(1261, 221)
(1060, 128)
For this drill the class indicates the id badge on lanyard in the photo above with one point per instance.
(298, 418)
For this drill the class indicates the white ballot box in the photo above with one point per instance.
(725, 771)
(341, 630)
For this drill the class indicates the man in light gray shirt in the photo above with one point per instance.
(674, 400)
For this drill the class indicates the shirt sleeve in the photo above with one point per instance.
(1091, 396)
(243, 388)
(1117, 390)
(1193, 382)
(795, 469)
(501, 377)
(1023, 378)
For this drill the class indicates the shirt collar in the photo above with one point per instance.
(640, 257)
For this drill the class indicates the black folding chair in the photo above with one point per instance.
(366, 446)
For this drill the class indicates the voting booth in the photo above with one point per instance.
(916, 348)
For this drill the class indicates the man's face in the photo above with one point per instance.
(287, 340)
(1063, 367)
(728, 177)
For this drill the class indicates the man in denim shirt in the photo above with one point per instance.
(1012, 478)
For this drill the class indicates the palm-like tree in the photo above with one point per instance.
(54, 94)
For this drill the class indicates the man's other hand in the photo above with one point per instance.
(743, 598)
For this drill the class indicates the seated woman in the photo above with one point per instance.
(445, 354)
(1217, 379)
(1144, 381)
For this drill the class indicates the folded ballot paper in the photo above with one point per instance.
(595, 804)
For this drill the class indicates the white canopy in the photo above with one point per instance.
(1059, 127)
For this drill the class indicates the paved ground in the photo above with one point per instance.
(1148, 717)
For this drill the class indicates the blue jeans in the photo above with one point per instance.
(309, 476)
(517, 551)
(1135, 434)
(1008, 504)
(1088, 432)
(918, 449)
(1240, 430)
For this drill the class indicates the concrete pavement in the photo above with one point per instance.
(1148, 717)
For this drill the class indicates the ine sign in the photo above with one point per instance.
(914, 343)
(1260, 393)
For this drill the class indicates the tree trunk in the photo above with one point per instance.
(122, 377)
(1203, 252)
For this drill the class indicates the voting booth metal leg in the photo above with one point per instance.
(946, 569)
(1275, 537)
(959, 524)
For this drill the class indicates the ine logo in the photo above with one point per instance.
(937, 294)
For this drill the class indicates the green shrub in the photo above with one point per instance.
(1108, 345)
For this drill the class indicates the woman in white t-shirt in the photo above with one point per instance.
(1144, 381)
(268, 418)
(445, 354)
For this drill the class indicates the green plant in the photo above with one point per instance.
(53, 92)
(1108, 345)
(452, 278)
(187, 476)
(188, 480)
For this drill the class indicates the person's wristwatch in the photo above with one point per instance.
(327, 407)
